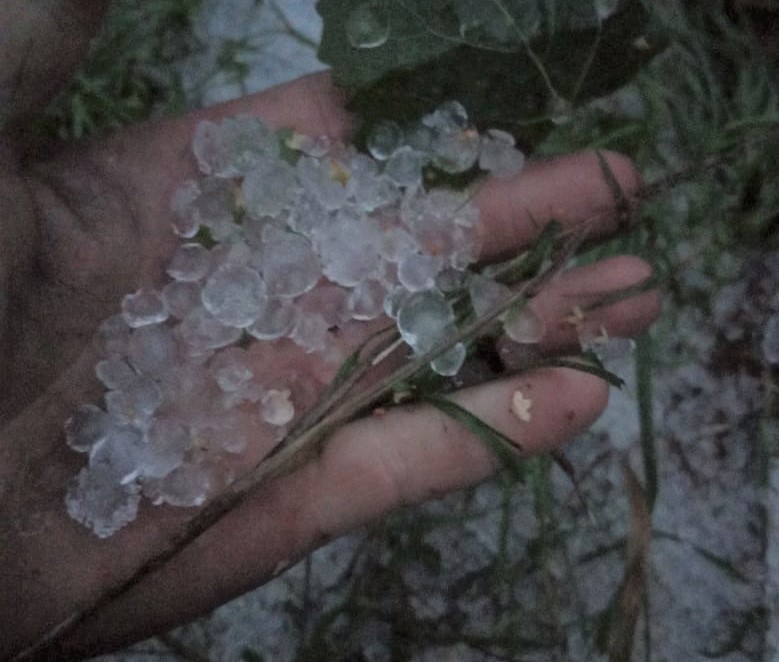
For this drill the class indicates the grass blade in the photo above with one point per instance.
(529, 263)
(587, 362)
(506, 450)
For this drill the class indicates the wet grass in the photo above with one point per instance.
(128, 75)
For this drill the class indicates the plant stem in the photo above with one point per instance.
(646, 418)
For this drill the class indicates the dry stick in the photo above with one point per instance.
(290, 454)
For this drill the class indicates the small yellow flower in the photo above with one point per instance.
(296, 141)
(576, 317)
(520, 406)
(339, 173)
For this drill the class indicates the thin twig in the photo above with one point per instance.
(366, 357)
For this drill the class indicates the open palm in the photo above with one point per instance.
(83, 224)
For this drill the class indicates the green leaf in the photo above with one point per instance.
(516, 65)
(587, 362)
(287, 154)
(346, 369)
(506, 450)
(621, 201)
(411, 38)
(529, 263)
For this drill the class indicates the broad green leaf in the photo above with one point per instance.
(494, 23)
(410, 41)
(517, 65)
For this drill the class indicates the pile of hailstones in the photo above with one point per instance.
(284, 236)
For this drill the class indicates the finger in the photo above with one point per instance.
(584, 286)
(41, 43)
(570, 189)
(413, 454)
(367, 469)
(310, 105)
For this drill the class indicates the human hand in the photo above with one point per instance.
(85, 224)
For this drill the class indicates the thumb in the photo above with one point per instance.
(41, 44)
